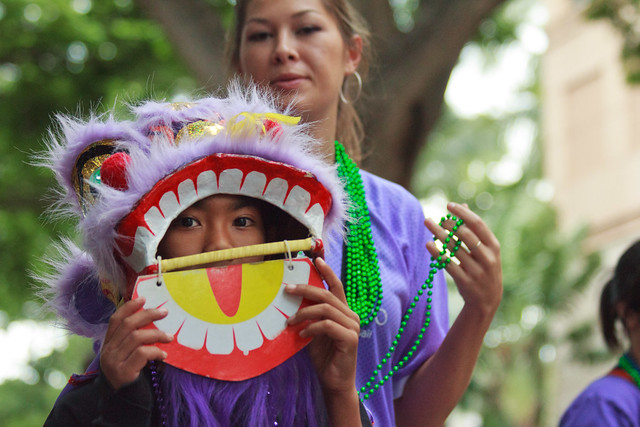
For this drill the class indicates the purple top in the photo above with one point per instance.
(608, 401)
(400, 237)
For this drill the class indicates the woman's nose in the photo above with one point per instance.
(284, 49)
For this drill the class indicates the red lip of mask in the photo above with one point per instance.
(229, 323)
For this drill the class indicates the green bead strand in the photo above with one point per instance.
(361, 277)
(365, 392)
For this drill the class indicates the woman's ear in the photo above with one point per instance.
(354, 54)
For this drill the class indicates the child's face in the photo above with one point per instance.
(217, 222)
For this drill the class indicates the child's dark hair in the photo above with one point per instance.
(278, 224)
(623, 287)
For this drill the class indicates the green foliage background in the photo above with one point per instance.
(624, 16)
(75, 56)
(69, 57)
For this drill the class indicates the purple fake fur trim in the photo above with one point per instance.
(152, 160)
(72, 291)
(160, 157)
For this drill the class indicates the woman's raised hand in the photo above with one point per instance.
(127, 348)
(478, 275)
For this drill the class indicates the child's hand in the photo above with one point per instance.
(335, 329)
(127, 348)
(479, 274)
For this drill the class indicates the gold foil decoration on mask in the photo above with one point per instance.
(179, 106)
(86, 171)
(198, 129)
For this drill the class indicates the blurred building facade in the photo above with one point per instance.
(591, 134)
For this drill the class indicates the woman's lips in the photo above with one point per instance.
(288, 82)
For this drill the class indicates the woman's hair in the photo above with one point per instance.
(623, 287)
(349, 129)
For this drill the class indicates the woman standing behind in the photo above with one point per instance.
(409, 372)
(614, 400)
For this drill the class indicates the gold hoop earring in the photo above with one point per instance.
(358, 92)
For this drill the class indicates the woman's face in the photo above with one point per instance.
(295, 48)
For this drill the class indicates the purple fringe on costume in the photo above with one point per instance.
(77, 274)
(288, 395)
(72, 291)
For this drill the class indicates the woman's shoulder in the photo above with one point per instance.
(607, 399)
(388, 193)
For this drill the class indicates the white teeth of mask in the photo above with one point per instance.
(276, 191)
(254, 184)
(158, 218)
(221, 339)
(247, 335)
(207, 183)
(230, 180)
(187, 193)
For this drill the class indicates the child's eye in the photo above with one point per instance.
(186, 222)
(242, 221)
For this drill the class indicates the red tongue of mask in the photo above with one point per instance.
(229, 323)
(226, 287)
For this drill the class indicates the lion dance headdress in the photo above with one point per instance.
(126, 181)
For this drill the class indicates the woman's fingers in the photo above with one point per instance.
(478, 275)
(476, 225)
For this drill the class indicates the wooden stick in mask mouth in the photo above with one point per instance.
(264, 249)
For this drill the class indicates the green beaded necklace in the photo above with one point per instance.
(630, 367)
(361, 275)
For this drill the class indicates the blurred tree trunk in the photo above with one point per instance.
(406, 87)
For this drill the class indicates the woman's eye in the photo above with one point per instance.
(258, 36)
(309, 29)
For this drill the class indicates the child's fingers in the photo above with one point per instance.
(344, 338)
(322, 312)
(126, 310)
(139, 358)
(140, 338)
(120, 372)
(322, 297)
(330, 278)
(128, 348)
(122, 324)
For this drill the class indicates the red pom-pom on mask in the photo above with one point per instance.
(270, 125)
(113, 171)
